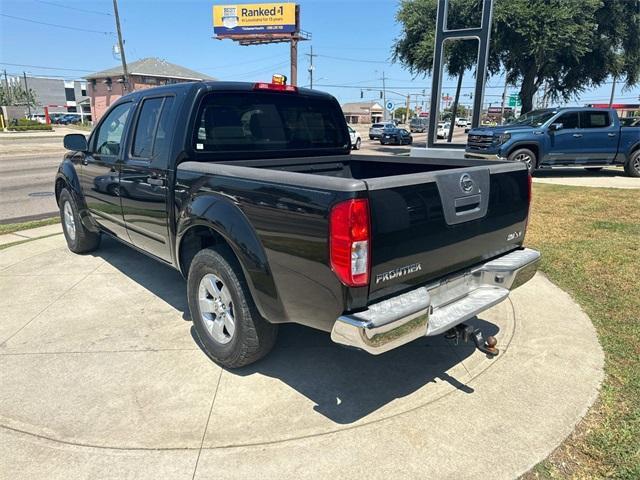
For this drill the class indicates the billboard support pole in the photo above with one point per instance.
(294, 62)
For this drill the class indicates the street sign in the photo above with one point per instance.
(390, 106)
(514, 101)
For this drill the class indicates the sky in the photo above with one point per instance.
(351, 38)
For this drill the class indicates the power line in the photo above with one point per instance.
(75, 8)
(46, 68)
(55, 25)
(352, 59)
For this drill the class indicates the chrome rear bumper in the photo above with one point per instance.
(435, 308)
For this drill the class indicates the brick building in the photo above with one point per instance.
(107, 86)
(362, 112)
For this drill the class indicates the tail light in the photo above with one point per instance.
(529, 195)
(350, 242)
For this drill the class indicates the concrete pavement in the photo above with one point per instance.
(27, 186)
(100, 378)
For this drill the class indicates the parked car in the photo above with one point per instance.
(69, 119)
(588, 137)
(419, 124)
(395, 136)
(356, 139)
(375, 131)
(630, 122)
(250, 191)
(442, 131)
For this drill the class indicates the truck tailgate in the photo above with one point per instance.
(428, 225)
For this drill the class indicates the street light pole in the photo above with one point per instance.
(125, 72)
(613, 91)
(384, 98)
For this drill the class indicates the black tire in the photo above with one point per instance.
(358, 143)
(593, 169)
(371, 137)
(79, 239)
(253, 337)
(632, 166)
(520, 154)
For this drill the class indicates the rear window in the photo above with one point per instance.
(594, 119)
(263, 121)
(377, 125)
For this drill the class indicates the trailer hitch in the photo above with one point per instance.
(466, 332)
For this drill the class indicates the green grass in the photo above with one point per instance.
(16, 227)
(590, 241)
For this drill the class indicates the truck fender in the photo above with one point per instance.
(523, 144)
(67, 177)
(227, 221)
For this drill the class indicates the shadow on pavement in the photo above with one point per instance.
(344, 384)
(161, 280)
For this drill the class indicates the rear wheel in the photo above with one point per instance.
(79, 239)
(225, 318)
(632, 167)
(526, 156)
(370, 137)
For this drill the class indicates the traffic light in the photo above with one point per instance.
(361, 94)
(380, 94)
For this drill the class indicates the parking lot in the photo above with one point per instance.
(102, 374)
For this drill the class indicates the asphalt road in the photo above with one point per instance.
(26, 186)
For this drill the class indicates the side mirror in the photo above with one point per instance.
(554, 127)
(75, 142)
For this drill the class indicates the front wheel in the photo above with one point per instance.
(526, 156)
(371, 137)
(225, 318)
(79, 238)
(358, 143)
(632, 166)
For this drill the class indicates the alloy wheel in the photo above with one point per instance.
(216, 308)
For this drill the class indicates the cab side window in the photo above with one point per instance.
(595, 119)
(110, 132)
(569, 120)
(152, 130)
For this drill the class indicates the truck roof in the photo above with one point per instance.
(213, 85)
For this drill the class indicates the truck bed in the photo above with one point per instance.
(424, 226)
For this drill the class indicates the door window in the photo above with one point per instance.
(569, 120)
(152, 129)
(111, 130)
(145, 129)
(594, 119)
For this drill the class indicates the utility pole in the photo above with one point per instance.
(311, 55)
(504, 98)
(6, 82)
(613, 91)
(125, 72)
(26, 92)
(406, 112)
(384, 98)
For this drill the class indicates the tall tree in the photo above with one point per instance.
(569, 44)
(14, 93)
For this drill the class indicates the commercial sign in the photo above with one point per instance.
(499, 109)
(252, 18)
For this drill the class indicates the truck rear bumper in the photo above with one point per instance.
(435, 308)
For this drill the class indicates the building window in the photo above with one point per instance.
(70, 94)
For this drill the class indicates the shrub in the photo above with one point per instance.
(26, 128)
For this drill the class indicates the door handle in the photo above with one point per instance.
(611, 134)
(577, 135)
(155, 181)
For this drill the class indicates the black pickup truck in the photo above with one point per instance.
(251, 192)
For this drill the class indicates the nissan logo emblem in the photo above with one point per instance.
(466, 184)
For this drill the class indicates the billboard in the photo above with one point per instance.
(254, 18)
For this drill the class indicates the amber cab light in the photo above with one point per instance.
(278, 83)
(350, 241)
